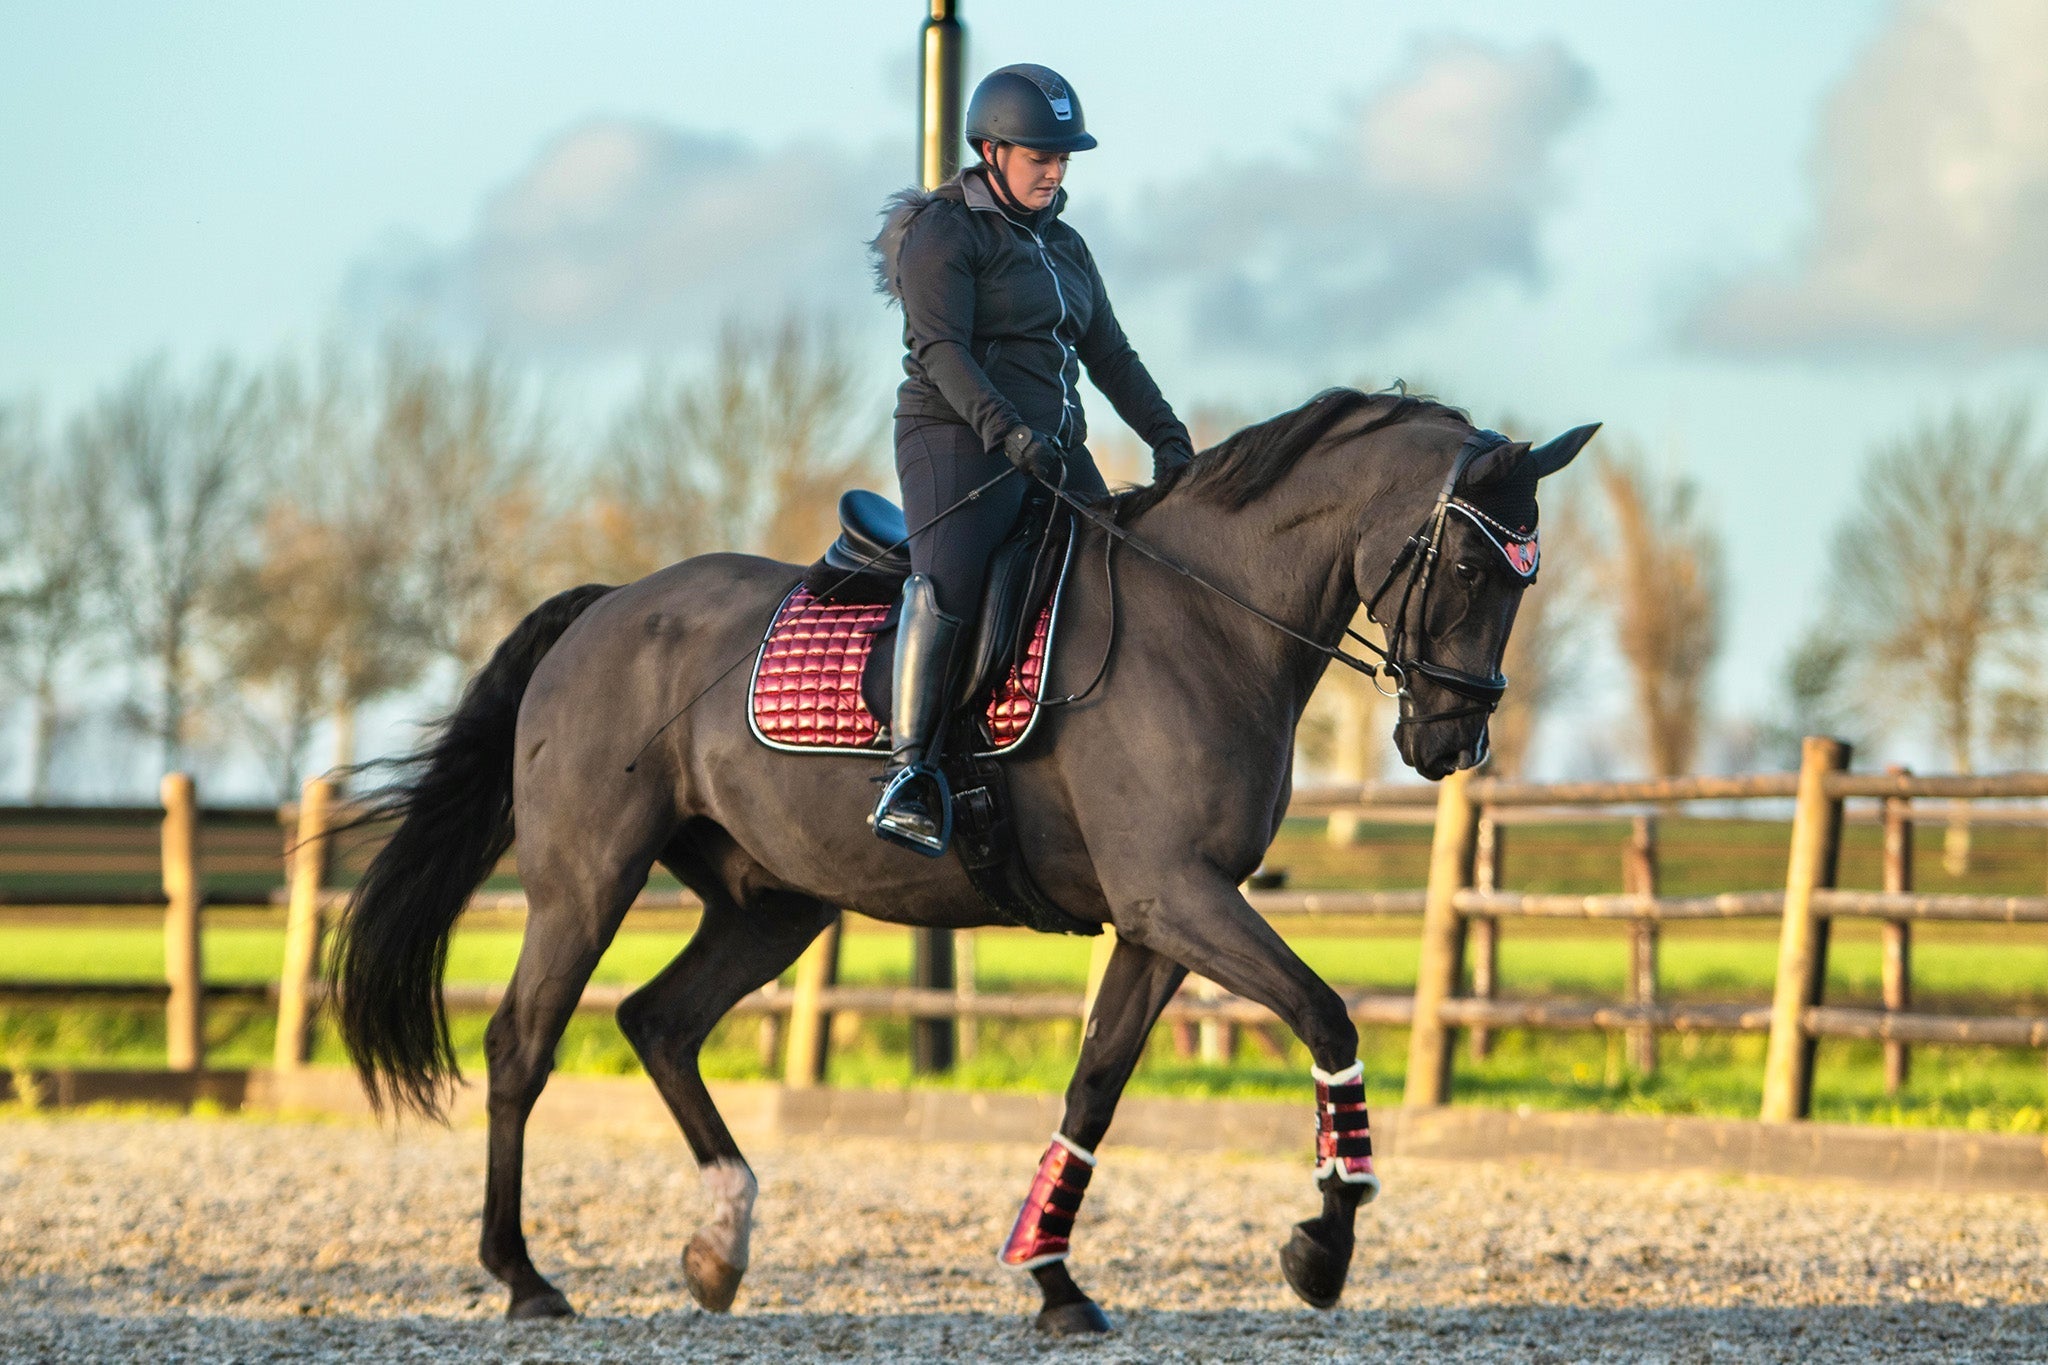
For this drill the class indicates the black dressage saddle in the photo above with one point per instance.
(861, 566)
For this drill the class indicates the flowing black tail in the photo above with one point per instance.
(453, 804)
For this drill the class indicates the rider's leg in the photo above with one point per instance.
(939, 464)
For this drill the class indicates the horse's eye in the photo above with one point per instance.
(1467, 571)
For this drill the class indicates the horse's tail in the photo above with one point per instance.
(453, 804)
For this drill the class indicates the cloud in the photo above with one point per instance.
(1930, 181)
(1433, 183)
(624, 236)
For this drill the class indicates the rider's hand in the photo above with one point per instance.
(1170, 455)
(1033, 453)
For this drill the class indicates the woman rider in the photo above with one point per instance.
(1002, 304)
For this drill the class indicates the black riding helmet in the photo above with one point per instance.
(1031, 106)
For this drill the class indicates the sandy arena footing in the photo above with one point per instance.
(199, 1238)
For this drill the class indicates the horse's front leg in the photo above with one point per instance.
(1206, 925)
(1135, 988)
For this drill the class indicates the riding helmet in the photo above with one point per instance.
(1032, 106)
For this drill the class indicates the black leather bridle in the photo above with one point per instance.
(1417, 557)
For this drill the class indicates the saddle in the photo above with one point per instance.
(822, 679)
(822, 682)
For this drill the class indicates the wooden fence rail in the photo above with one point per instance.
(1462, 909)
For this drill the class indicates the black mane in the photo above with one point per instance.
(1243, 468)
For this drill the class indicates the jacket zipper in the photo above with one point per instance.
(1066, 399)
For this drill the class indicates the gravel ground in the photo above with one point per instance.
(174, 1239)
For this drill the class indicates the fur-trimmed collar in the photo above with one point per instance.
(970, 188)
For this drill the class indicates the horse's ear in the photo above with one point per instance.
(1492, 464)
(1558, 452)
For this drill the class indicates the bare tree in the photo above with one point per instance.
(1938, 575)
(1813, 695)
(1549, 635)
(750, 456)
(168, 470)
(463, 452)
(318, 613)
(47, 567)
(1662, 572)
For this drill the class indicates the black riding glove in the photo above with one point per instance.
(1034, 453)
(1170, 455)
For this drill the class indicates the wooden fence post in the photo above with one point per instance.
(1443, 943)
(969, 1036)
(184, 967)
(1639, 878)
(1485, 929)
(1803, 936)
(809, 1024)
(1898, 933)
(302, 927)
(1218, 1036)
(1098, 962)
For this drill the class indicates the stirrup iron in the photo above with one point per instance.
(888, 824)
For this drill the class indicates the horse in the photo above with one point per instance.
(1143, 805)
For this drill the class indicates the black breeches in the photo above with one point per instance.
(941, 462)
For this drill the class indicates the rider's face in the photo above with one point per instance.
(1033, 176)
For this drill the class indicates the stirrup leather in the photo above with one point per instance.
(888, 823)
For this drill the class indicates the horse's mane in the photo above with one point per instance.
(1243, 468)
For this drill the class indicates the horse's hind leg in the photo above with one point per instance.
(735, 951)
(567, 930)
(1135, 988)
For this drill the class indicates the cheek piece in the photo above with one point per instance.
(1343, 1131)
(1047, 1219)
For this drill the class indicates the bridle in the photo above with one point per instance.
(1417, 558)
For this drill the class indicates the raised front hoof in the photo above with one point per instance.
(1314, 1271)
(547, 1303)
(1080, 1319)
(714, 1282)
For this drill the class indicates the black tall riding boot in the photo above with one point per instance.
(916, 809)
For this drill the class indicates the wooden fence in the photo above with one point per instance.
(1461, 908)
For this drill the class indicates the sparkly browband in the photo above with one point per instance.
(1519, 548)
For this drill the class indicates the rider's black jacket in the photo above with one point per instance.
(1000, 310)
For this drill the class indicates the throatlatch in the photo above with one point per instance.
(1343, 1131)
(1046, 1221)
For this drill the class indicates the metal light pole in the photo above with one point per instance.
(944, 43)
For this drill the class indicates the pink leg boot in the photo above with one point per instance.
(1047, 1219)
(1343, 1131)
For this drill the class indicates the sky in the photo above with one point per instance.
(1757, 240)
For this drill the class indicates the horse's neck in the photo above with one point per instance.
(1289, 555)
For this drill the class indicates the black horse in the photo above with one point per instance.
(1143, 806)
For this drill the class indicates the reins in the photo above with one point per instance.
(845, 578)
(1418, 555)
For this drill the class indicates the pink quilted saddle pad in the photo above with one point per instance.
(806, 689)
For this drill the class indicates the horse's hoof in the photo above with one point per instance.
(714, 1282)
(549, 1303)
(1314, 1271)
(1082, 1318)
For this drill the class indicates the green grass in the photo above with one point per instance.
(1957, 968)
